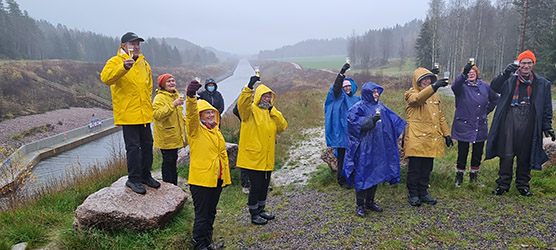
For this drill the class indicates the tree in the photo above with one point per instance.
(424, 46)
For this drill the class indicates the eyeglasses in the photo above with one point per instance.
(525, 63)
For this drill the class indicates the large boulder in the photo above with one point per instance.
(550, 148)
(117, 207)
(231, 148)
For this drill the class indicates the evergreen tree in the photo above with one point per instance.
(423, 46)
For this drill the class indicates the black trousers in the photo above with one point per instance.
(476, 155)
(169, 162)
(418, 175)
(522, 172)
(259, 187)
(366, 196)
(244, 178)
(341, 155)
(205, 200)
(139, 151)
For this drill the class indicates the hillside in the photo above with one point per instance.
(312, 47)
(63, 83)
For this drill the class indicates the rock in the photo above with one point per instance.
(328, 156)
(20, 246)
(550, 148)
(117, 207)
(231, 148)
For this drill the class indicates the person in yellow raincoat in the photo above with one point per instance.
(425, 134)
(129, 76)
(208, 167)
(169, 125)
(260, 122)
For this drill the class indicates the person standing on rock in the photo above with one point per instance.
(372, 155)
(129, 76)
(425, 134)
(169, 125)
(474, 101)
(208, 168)
(260, 123)
(521, 117)
(340, 98)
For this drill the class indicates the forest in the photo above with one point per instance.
(22, 37)
(492, 32)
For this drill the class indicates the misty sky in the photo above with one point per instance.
(243, 26)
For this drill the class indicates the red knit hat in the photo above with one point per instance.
(162, 80)
(527, 54)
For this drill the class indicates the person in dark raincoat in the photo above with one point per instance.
(341, 97)
(372, 155)
(521, 117)
(474, 101)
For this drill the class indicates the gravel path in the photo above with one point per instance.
(304, 157)
(69, 118)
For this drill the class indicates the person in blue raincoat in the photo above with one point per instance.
(372, 155)
(341, 97)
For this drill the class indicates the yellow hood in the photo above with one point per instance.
(203, 105)
(260, 91)
(419, 74)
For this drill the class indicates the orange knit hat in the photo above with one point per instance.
(527, 54)
(162, 80)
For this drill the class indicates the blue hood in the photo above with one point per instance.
(372, 157)
(335, 115)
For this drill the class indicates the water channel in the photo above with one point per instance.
(80, 159)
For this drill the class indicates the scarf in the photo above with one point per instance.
(528, 82)
(209, 125)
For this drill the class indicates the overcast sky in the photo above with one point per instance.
(240, 26)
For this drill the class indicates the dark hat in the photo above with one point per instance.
(130, 36)
(209, 81)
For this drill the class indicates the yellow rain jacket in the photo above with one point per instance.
(131, 89)
(258, 130)
(169, 122)
(207, 147)
(426, 124)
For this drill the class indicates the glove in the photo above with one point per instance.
(368, 123)
(449, 141)
(467, 68)
(550, 132)
(252, 81)
(376, 118)
(510, 68)
(439, 83)
(192, 88)
(435, 71)
(345, 68)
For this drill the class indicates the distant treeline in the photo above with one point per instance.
(22, 37)
(490, 32)
(375, 47)
(312, 47)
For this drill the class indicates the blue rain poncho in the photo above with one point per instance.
(372, 157)
(335, 115)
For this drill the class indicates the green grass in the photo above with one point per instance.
(321, 62)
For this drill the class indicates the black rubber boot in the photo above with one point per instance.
(473, 179)
(263, 213)
(459, 179)
(256, 218)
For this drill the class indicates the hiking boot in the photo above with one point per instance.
(473, 179)
(360, 211)
(374, 207)
(525, 192)
(499, 191)
(428, 199)
(263, 213)
(459, 179)
(136, 187)
(151, 182)
(414, 201)
(256, 218)
(216, 245)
